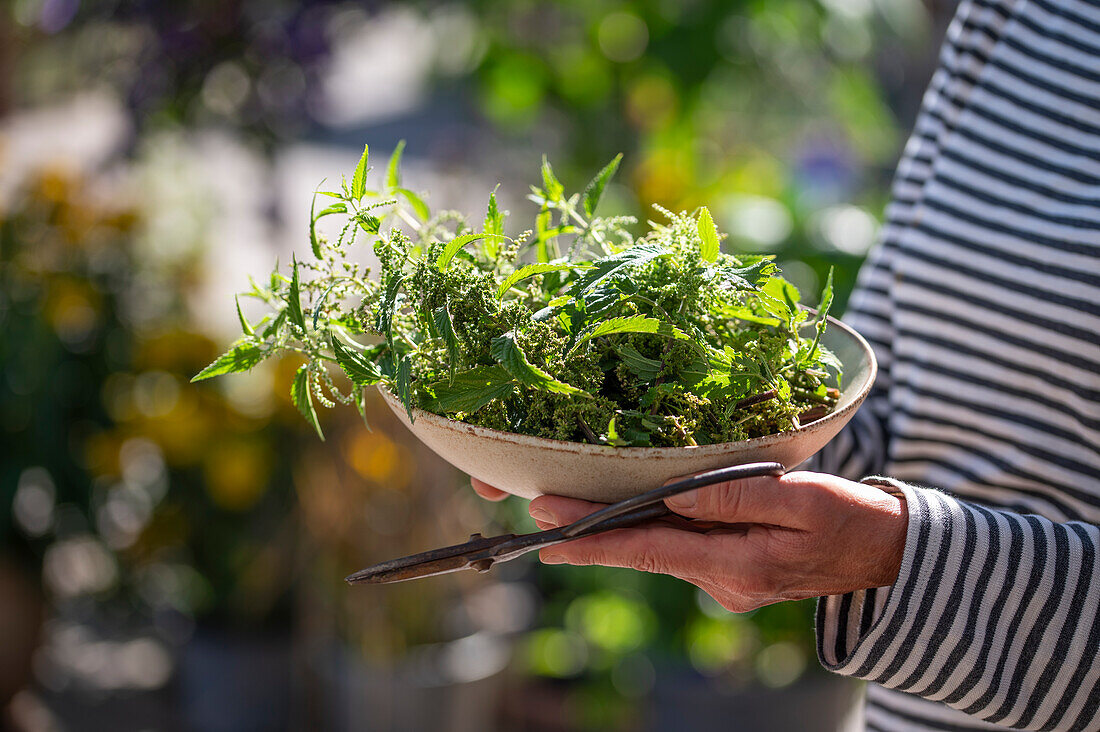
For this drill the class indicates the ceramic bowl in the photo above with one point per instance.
(530, 466)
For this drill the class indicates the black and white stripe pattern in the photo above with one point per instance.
(982, 302)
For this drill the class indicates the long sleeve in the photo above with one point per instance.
(994, 613)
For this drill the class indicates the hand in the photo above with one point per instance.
(780, 538)
(486, 491)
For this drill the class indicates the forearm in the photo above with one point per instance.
(993, 613)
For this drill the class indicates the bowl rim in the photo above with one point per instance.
(587, 448)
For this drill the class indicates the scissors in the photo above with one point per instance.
(480, 553)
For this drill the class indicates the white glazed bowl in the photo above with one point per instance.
(530, 466)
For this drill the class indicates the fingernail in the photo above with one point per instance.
(541, 514)
(682, 500)
(553, 559)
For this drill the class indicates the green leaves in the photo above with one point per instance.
(469, 391)
(594, 189)
(646, 369)
(494, 226)
(508, 353)
(355, 365)
(617, 264)
(359, 180)
(453, 246)
(302, 396)
(387, 306)
(393, 170)
(443, 324)
(708, 236)
(294, 299)
(244, 354)
(403, 385)
(550, 185)
(245, 325)
(530, 271)
(633, 324)
(455, 341)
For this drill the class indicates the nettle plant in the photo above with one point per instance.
(574, 330)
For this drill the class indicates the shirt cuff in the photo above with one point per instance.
(853, 628)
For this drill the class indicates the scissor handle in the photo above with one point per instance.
(658, 495)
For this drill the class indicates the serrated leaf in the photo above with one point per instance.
(386, 307)
(530, 271)
(242, 356)
(469, 391)
(443, 324)
(748, 277)
(594, 190)
(416, 202)
(708, 236)
(245, 325)
(358, 368)
(393, 172)
(494, 225)
(508, 353)
(646, 369)
(294, 299)
(453, 246)
(302, 396)
(628, 324)
(550, 184)
(370, 224)
(359, 180)
(822, 312)
(403, 385)
(616, 264)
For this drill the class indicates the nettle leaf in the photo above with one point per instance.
(708, 236)
(530, 271)
(443, 324)
(294, 299)
(594, 189)
(617, 264)
(357, 367)
(505, 350)
(416, 202)
(359, 180)
(646, 369)
(387, 306)
(393, 170)
(242, 356)
(469, 391)
(370, 224)
(494, 226)
(752, 276)
(628, 324)
(403, 384)
(245, 325)
(454, 245)
(302, 397)
(612, 436)
(551, 187)
(822, 313)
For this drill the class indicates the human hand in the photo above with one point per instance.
(778, 538)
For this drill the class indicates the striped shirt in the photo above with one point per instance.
(982, 302)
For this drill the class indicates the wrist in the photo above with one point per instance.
(891, 527)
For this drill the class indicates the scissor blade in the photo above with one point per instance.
(429, 563)
(407, 568)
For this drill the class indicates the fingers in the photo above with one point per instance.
(487, 491)
(792, 500)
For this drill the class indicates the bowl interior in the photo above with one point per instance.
(529, 466)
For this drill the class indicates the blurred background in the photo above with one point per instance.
(173, 554)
